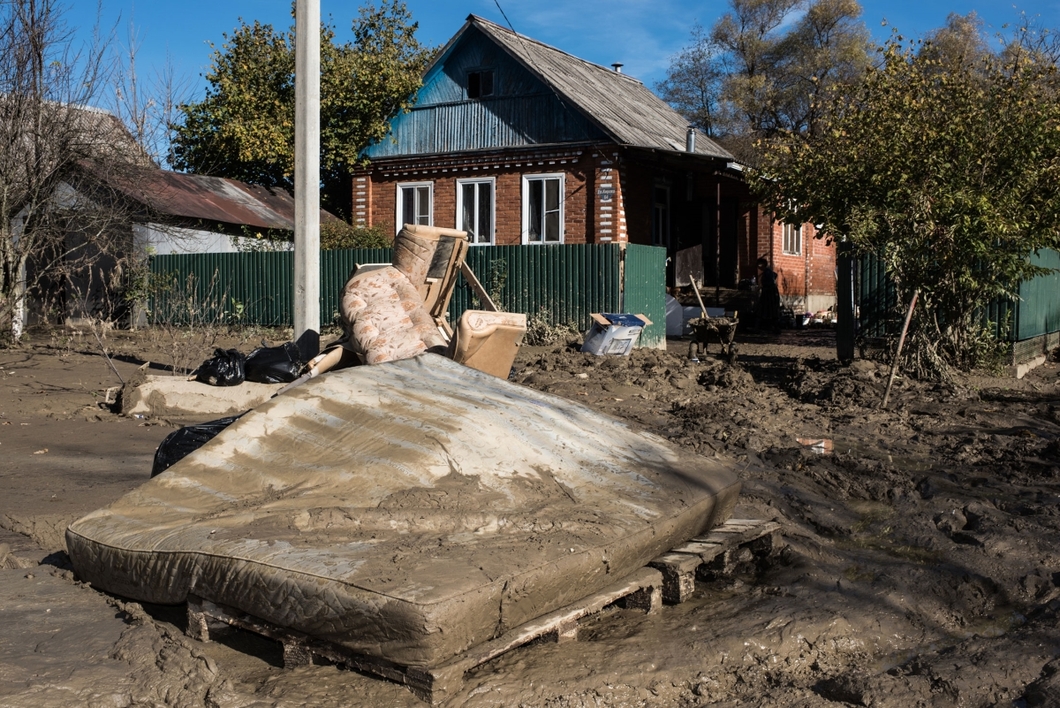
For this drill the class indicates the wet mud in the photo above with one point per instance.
(921, 567)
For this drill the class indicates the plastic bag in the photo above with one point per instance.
(185, 441)
(279, 364)
(225, 368)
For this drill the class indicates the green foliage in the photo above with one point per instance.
(244, 127)
(336, 235)
(496, 281)
(251, 240)
(944, 165)
(542, 330)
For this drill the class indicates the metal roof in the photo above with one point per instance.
(621, 105)
(208, 198)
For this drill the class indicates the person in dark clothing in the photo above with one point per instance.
(768, 297)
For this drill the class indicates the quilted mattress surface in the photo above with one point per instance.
(408, 511)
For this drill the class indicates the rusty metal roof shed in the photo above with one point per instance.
(205, 198)
(621, 105)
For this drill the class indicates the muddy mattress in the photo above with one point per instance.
(406, 511)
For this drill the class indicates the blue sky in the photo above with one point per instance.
(642, 34)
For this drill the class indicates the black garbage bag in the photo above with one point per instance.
(225, 368)
(185, 441)
(279, 364)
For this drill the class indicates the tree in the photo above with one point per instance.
(244, 128)
(50, 138)
(765, 66)
(693, 83)
(946, 166)
(959, 41)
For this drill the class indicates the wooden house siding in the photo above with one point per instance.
(507, 122)
(445, 82)
(522, 111)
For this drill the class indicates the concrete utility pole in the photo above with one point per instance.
(307, 177)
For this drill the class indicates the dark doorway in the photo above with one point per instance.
(727, 265)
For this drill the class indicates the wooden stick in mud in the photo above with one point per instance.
(106, 355)
(898, 352)
(702, 307)
(476, 286)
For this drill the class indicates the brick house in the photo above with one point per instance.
(517, 142)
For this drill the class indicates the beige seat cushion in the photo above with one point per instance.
(430, 257)
(488, 341)
(384, 317)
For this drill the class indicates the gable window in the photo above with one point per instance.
(543, 208)
(414, 203)
(479, 83)
(474, 208)
(792, 240)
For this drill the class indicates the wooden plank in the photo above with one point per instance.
(476, 286)
(671, 578)
(638, 581)
(679, 575)
(641, 590)
(701, 547)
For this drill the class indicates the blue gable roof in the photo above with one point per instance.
(522, 110)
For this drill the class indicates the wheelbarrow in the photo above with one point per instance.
(705, 329)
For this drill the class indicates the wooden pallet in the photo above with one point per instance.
(641, 590)
(734, 541)
(670, 578)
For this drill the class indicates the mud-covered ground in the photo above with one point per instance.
(922, 565)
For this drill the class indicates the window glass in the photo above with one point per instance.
(475, 209)
(479, 84)
(485, 212)
(537, 208)
(543, 209)
(792, 240)
(414, 204)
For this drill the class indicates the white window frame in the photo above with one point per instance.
(791, 240)
(527, 179)
(492, 182)
(399, 211)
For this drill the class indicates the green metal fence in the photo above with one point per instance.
(645, 277)
(1038, 309)
(564, 284)
(1036, 313)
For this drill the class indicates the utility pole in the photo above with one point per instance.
(846, 319)
(307, 177)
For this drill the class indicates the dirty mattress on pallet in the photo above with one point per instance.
(406, 511)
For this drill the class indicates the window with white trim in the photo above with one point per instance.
(474, 209)
(792, 240)
(543, 208)
(414, 202)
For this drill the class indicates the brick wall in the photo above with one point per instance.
(584, 170)
(608, 216)
(807, 279)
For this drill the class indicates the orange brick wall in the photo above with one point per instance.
(807, 279)
(604, 187)
(584, 222)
